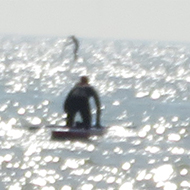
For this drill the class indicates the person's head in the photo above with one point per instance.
(84, 80)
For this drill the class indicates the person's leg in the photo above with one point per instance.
(71, 113)
(86, 116)
(70, 119)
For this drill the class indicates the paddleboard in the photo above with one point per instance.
(65, 132)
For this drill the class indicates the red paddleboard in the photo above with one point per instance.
(65, 132)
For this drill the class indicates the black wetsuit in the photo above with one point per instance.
(78, 101)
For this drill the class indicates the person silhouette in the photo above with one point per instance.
(76, 46)
(71, 40)
(78, 101)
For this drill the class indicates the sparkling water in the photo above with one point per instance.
(145, 96)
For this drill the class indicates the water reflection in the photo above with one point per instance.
(126, 166)
(170, 186)
(144, 90)
(126, 185)
(163, 173)
(66, 187)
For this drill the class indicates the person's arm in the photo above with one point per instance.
(98, 109)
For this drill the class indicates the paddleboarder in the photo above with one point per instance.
(76, 46)
(78, 101)
(71, 40)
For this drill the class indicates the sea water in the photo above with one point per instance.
(145, 100)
